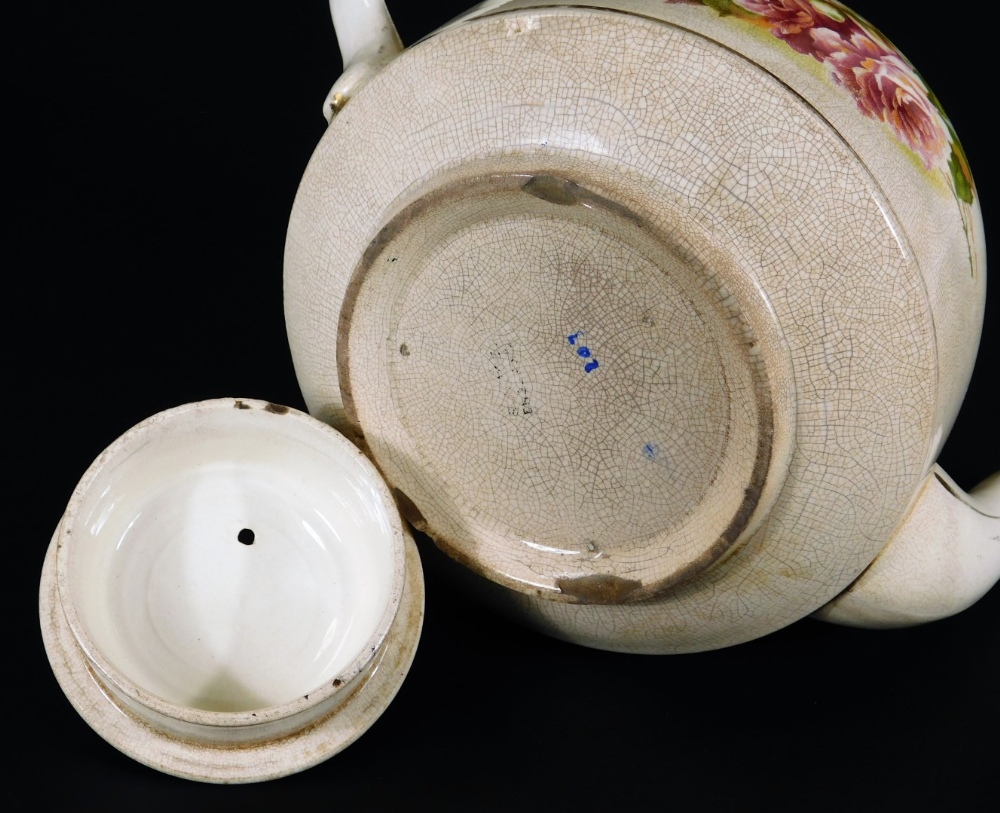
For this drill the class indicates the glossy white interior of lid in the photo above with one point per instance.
(175, 602)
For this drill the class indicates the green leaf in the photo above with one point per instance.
(724, 7)
(963, 185)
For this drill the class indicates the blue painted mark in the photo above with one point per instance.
(651, 450)
(583, 352)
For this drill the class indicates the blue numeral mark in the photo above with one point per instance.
(583, 352)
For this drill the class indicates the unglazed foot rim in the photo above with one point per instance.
(571, 403)
(255, 762)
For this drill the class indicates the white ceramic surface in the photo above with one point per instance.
(943, 559)
(762, 186)
(231, 573)
(368, 41)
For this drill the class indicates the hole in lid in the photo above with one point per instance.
(246, 536)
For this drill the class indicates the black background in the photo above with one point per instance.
(153, 155)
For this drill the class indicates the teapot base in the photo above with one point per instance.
(720, 159)
(609, 378)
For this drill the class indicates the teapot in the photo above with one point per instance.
(654, 314)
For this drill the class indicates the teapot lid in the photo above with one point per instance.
(235, 576)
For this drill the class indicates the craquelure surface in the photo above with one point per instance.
(707, 147)
(643, 469)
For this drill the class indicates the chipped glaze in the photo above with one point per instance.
(781, 285)
(234, 577)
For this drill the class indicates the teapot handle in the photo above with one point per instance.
(943, 558)
(368, 42)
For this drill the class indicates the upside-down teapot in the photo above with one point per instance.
(654, 314)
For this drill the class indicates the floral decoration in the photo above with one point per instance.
(885, 86)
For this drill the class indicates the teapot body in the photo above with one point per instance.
(655, 317)
(877, 102)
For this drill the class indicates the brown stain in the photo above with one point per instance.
(241, 405)
(542, 185)
(338, 102)
(599, 589)
(725, 546)
(742, 517)
(249, 745)
(564, 192)
(555, 190)
(277, 409)
(375, 249)
(386, 661)
(589, 589)
(409, 510)
(354, 434)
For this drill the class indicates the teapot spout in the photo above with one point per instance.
(944, 557)
(368, 42)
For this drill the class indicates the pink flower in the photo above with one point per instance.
(888, 89)
(795, 20)
(884, 85)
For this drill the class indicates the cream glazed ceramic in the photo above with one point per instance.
(230, 595)
(655, 314)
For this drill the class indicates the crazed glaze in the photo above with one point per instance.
(938, 212)
(790, 136)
